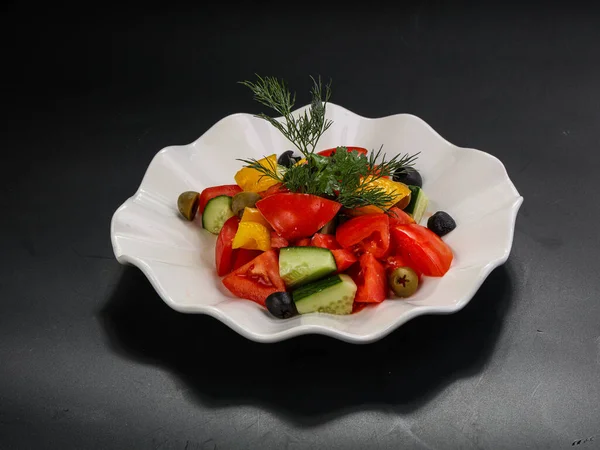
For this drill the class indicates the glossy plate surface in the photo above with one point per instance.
(178, 256)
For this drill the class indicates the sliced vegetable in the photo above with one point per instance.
(370, 233)
(252, 180)
(281, 305)
(243, 200)
(404, 281)
(278, 188)
(295, 216)
(225, 255)
(254, 215)
(344, 258)
(252, 236)
(369, 276)
(399, 217)
(277, 241)
(396, 190)
(244, 256)
(211, 192)
(216, 213)
(301, 265)
(441, 223)
(324, 241)
(333, 295)
(304, 242)
(257, 279)
(409, 176)
(418, 203)
(426, 251)
(395, 261)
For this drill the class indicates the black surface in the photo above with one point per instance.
(90, 357)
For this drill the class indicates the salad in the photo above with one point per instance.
(320, 230)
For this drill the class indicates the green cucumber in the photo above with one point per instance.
(418, 203)
(333, 295)
(216, 213)
(300, 265)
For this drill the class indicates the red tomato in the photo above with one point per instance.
(370, 279)
(324, 241)
(277, 241)
(371, 232)
(296, 216)
(393, 262)
(244, 256)
(344, 258)
(257, 279)
(275, 189)
(304, 242)
(331, 151)
(224, 253)
(212, 192)
(399, 217)
(429, 254)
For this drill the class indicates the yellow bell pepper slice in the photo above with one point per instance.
(254, 215)
(252, 180)
(395, 188)
(252, 236)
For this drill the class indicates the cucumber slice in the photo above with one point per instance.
(418, 203)
(216, 213)
(333, 295)
(300, 265)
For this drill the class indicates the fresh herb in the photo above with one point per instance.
(304, 130)
(347, 176)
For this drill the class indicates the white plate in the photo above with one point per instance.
(178, 256)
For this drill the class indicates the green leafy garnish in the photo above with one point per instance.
(346, 176)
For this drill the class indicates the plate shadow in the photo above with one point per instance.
(308, 378)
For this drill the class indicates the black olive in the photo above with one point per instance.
(441, 223)
(409, 176)
(287, 159)
(281, 305)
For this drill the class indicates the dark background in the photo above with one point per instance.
(90, 357)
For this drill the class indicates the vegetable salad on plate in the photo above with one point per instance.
(320, 231)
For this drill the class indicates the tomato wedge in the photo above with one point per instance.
(294, 216)
(257, 279)
(393, 262)
(371, 281)
(212, 192)
(304, 242)
(324, 241)
(399, 217)
(370, 233)
(428, 254)
(224, 253)
(244, 256)
(275, 189)
(331, 151)
(277, 241)
(344, 258)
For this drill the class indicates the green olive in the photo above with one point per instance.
(243, 200)
(404, 281)
(187, 203)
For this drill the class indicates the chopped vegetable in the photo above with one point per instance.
(296, 216)
(257, 279)
(211, 192)
(333, 295)
(252, 236)
(252, 180)
(369, 276)
(244, 256)
(301, 265)
(224, 252)
(216, 213)
(254, 215)
(418, 203)
(369, 233)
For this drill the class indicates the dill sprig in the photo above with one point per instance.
(303, 131)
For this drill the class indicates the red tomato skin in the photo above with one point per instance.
(369, 233)
(344, 258)
(399, 217)
(324, 241)
(257, 279)
(244, 256)
(304, 242)
(294, 216)
(393, 262)
(277, 241)
(224, 253)
(331, 151)
(370, 278)
(275, 189)
(211, 192)
(428, 253)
